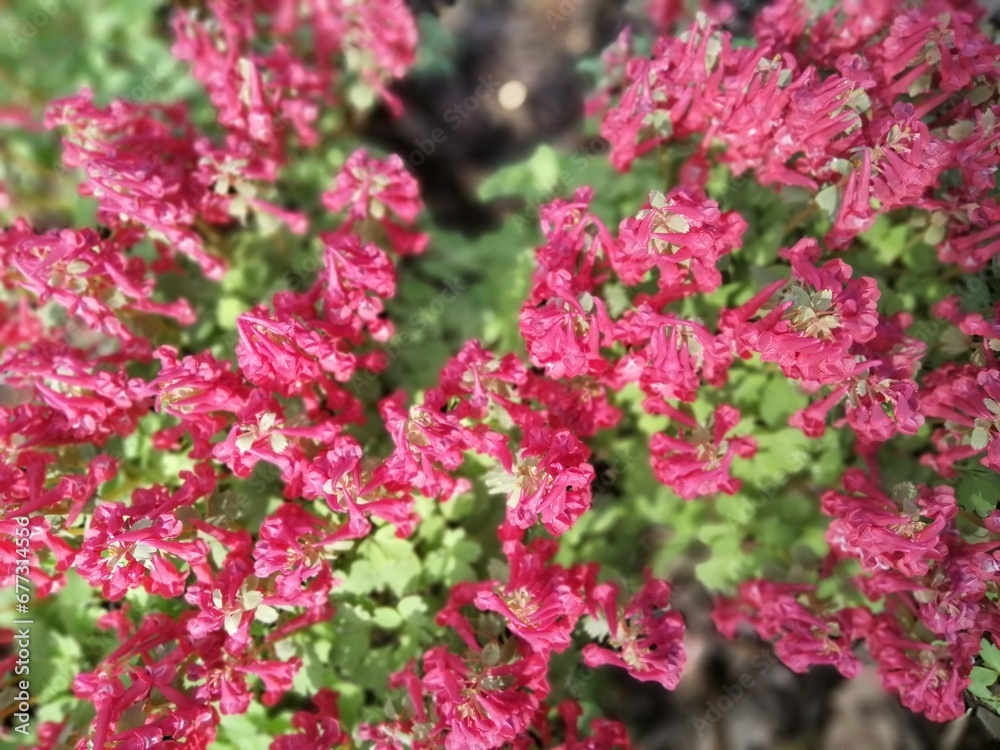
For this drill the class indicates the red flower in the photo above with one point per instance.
(807, 633)
(357, 277)
(646, 638)
(683, 235)
(565, 333)
(669, 356)
(548, 480)
(697, 461)
(904, 533)
(811, 329)
(929, 678)
(540, 601)
(379, 195)
(968, 400)
(317, 730)
(119, 555)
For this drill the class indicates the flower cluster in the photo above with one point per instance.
(98, 357)
(869, 125)
(846, 117)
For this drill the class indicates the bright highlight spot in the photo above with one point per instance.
(512, 95)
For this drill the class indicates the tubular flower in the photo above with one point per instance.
(902, 533)
(541, 602)
(549, 480)
(646, 638)
(697, 460)
(811, 328)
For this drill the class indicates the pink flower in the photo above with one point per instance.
(221, 675)
(665, 96)
(77, 399)
(429, 447)
(317, 730)
(387, 32)
(379, 195)
(291, 547)
(541, 602)
(564, 333)
(286, 355)
(93, 278)
(546, 731)
(141, 163)
(259, 433)
(646, 638)
(903, 533)
(475, 379)
(683, 235)
(811, 328)
(807, 633)
(236, 599)
(201, 392)
(357, 277)
(929, 678)
(669, 356)
(958, 50)
(582, 406)
(697, 460)
(549, 480)
(968, 400)
(482, 701)
(576, 242)
(973, 237)
(907, 160)
(881, 399)
(348, 484)
(125, 548)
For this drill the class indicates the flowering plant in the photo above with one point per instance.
(770, 330)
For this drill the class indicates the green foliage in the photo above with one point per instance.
(464, 289)
(985, 678)
(978, 490)
(119, 48)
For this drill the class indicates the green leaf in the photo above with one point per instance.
(393, 560)
(254, 726)
(978, 491)
(779, 400)
(410, 606)
(387, 618)
(538, 174)
(361, 579)
(887, 240)
(720, 573)
(435, 52)
(990, 655)
(227, 311)
(983, 676)
(984, 694)
(828, 199)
